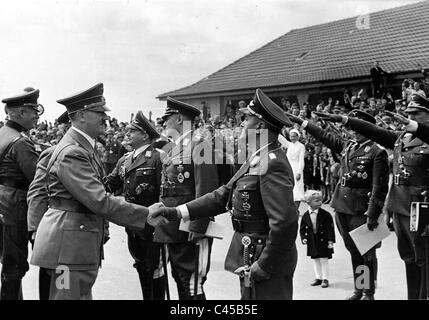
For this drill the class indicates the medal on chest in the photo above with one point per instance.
(180, 176)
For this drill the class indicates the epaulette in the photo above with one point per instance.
(380, 146)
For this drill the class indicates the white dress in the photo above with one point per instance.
(295, 154)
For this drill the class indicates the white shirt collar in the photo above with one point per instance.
(311, 210)
(140, 150)
(91, 141)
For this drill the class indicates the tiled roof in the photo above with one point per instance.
(398, 38)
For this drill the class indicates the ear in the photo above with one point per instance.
(179, 119)
(261, 125)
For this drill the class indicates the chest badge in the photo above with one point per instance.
(138, 189)
(364, 175)
(367, 148)
(180, 176)
(186, 174)
(148, 154)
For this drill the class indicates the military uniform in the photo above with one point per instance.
(138, 176)
(38, 202)
(18, 159)
(360, 193)
(70, 235)
(410, 179)
(184, 180)
(114, 151)
(260, 199)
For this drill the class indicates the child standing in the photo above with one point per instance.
(317, 232)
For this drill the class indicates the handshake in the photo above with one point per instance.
(159, 214)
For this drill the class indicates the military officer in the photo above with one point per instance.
(113, 151)
(70, 235)
(186, 175)
(260, 199)
(18, 159)
(360, 193)
(37, 201)
(138, 176)
(410, 180)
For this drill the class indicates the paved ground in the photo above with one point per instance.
(117, 280)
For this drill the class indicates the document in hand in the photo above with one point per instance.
(365, 239)
(214, 229)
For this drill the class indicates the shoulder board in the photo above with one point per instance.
(380, 146)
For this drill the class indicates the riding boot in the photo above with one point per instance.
(159, 288)
(422, 291)
(146, 283)
(11, 290)
(413, 276)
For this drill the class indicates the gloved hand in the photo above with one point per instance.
(294, 118)
(329, 116)
(257, 273)
(372, 223)
(389, 221)
(170, 213)
(32, 237)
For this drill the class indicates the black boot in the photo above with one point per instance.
(357, 295)
(146, 283)
(11, 290)
(412, 272)
(422, 290)
(44, 284)
(159, 288)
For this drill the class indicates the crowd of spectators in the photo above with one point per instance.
(321, 169)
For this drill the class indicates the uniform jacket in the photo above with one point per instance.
(260, 193)
(364, 174)
(71, 233)
(317, 243)
(185, 177)
(37, 197)
(410, 164)
(139, 180)
(16, 172)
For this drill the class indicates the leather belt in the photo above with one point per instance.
(67, 205)
(410, 180)
(250, 226)
(177, 191)
(7, 182)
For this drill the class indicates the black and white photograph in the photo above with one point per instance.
(219, 151)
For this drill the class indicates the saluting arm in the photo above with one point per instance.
(334, 143)
(384, 137)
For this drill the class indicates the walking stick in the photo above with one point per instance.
(196, 271)
(164, 266)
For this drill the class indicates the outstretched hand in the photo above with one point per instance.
(294, 118)
(329, 117)
(397, 117)
(155, 216)
(158, 213)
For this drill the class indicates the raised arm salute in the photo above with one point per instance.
(360, 193)
(410, 180)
